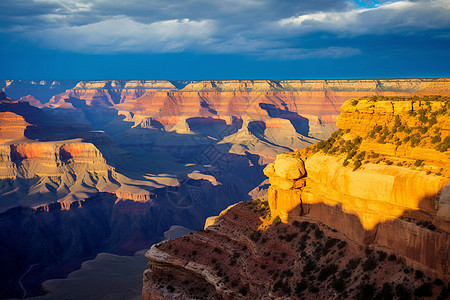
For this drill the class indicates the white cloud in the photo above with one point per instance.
(69, 6)
(402, 16)
(122, 34)
(288, 29)
(299, 53)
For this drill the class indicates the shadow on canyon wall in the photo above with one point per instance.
(300, 123)
(53, 242)
(422, 239)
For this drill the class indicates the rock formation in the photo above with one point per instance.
(12, 127)
(42, 90)
(158, 153)
(386, 167)
(378, 187)
(309, 107)
(32, 100)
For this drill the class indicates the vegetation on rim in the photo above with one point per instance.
(421, 128)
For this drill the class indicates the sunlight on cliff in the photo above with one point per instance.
(387, 160)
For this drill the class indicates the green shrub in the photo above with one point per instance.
(425, 290)
(432, 120)
(309, 266)
(361, 155)
(300, 287)
(397, 121)
(392, 257)
(342, 244)
(254, 236)
(330, 243)
(381, 255)
(435, 139)
(369, 264)
(418, 162)
(444, 294)
(377, 128)
(402, 293)
(345, 273)
(358, 164)
(327, 271)
(353, 263)
(277, 220)
(318, 234)
(366, 291)
(243, 290)
(301, 225)
(387, 292)
(338, 284)
(351, 154)
(170, 288)
(444, 145)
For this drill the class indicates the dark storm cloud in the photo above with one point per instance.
(262, 27)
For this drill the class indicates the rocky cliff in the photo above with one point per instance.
(388, 166)
(377, 188)
(12, 127)
(252, 98)
(310, 107)
(53, 175)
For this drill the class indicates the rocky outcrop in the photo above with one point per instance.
(57, 175)
(256, 99)
(292, 113)
(12, 127)
(32, 100)
(365, 199)
(242, 255)
(386, 199)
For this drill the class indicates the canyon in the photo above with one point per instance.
(126, 160)
(363, 214)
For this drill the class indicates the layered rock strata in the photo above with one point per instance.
(393, 194)
(391, 202)
(12, 127)
(54, 175)
(253, 98)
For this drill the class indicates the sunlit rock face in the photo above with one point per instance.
(167, 101)
(12, 127)
(396, 184)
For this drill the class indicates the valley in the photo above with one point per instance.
(344, 218)
(95, 167)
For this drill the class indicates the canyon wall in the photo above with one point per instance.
(389, 192)
(252, 98)
(362, 214)
(309, 107)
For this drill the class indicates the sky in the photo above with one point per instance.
(224, 39)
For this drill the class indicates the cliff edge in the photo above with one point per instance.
(364, 214)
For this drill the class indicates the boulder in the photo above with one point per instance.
(289, 167)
